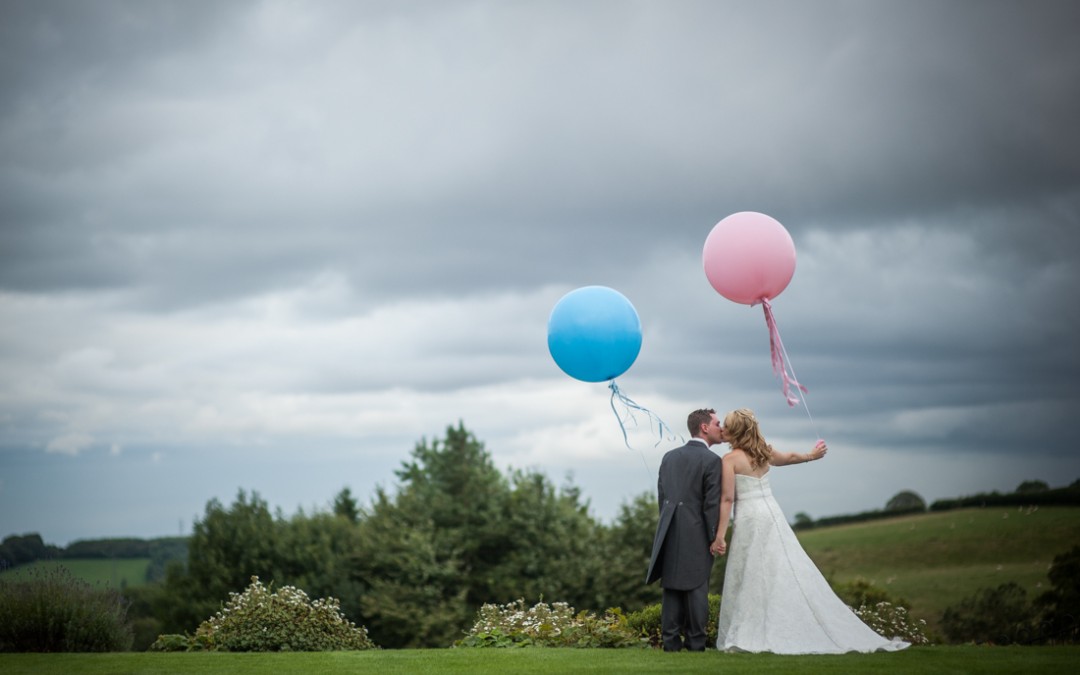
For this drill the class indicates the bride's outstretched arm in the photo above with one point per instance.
(727, 498)
(785, 458)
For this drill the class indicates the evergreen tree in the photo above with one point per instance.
(346, 507)
(458, 534)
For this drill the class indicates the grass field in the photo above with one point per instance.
(934, 560)
(113, 573)
(916, 661)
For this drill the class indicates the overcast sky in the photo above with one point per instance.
(273, 245)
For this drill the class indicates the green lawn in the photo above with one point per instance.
(934, 560)
(110, 573)
(917, 661)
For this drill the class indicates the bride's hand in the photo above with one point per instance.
(718, 547)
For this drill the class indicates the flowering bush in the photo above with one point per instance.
(259, 620)
(543, 625)
(893, 621)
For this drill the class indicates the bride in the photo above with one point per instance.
(775, 599)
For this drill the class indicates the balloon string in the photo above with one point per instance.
(631, 406)
(781, 363)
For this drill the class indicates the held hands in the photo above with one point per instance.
(718, 547)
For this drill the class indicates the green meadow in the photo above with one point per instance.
(934, 560)
(109, 573)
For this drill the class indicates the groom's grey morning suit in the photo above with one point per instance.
(689, 495)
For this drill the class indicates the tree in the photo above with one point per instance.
(549, 546)
(802, 521)
(227, 548)
(346, 507)
(164, 551)
(411, 594)
(108, 548)
(454, 484)
(313, 554)
(20, 549)
(458, 534)
(999, 615)
(626, 546)
(1030, 486)
(427, 556)
(906, 501)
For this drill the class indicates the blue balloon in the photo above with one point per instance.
(594, 334)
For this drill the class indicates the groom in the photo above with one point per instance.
(689, 494)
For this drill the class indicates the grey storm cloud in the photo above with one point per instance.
(473, 127)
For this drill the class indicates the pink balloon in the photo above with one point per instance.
(749, 256)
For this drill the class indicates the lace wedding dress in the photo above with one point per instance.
(775, 599)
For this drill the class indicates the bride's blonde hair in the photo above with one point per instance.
(743, 433)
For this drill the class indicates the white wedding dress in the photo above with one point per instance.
(775, 599)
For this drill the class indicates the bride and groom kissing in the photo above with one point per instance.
(775, 599)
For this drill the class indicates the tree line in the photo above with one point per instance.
(27, 548)
(414, 566)
(906, 502)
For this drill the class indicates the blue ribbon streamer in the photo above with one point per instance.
(631, 406)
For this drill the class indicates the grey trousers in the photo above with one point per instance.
(683, 617)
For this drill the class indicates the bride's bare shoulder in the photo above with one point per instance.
(738, 460)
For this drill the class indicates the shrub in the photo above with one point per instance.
(861, 593)
(893, 621)
(261, 620)
(1060, 606)
(55, 612)
(646, 622)
(543, 625)
(142, 604)
(173, 642)
(999, 615)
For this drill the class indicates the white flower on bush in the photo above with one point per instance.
(554, 624)
(297, 623)
(892, 621)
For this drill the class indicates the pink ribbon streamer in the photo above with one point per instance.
(779, 365)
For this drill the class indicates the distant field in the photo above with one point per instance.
(115, 573)
(934, 560)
